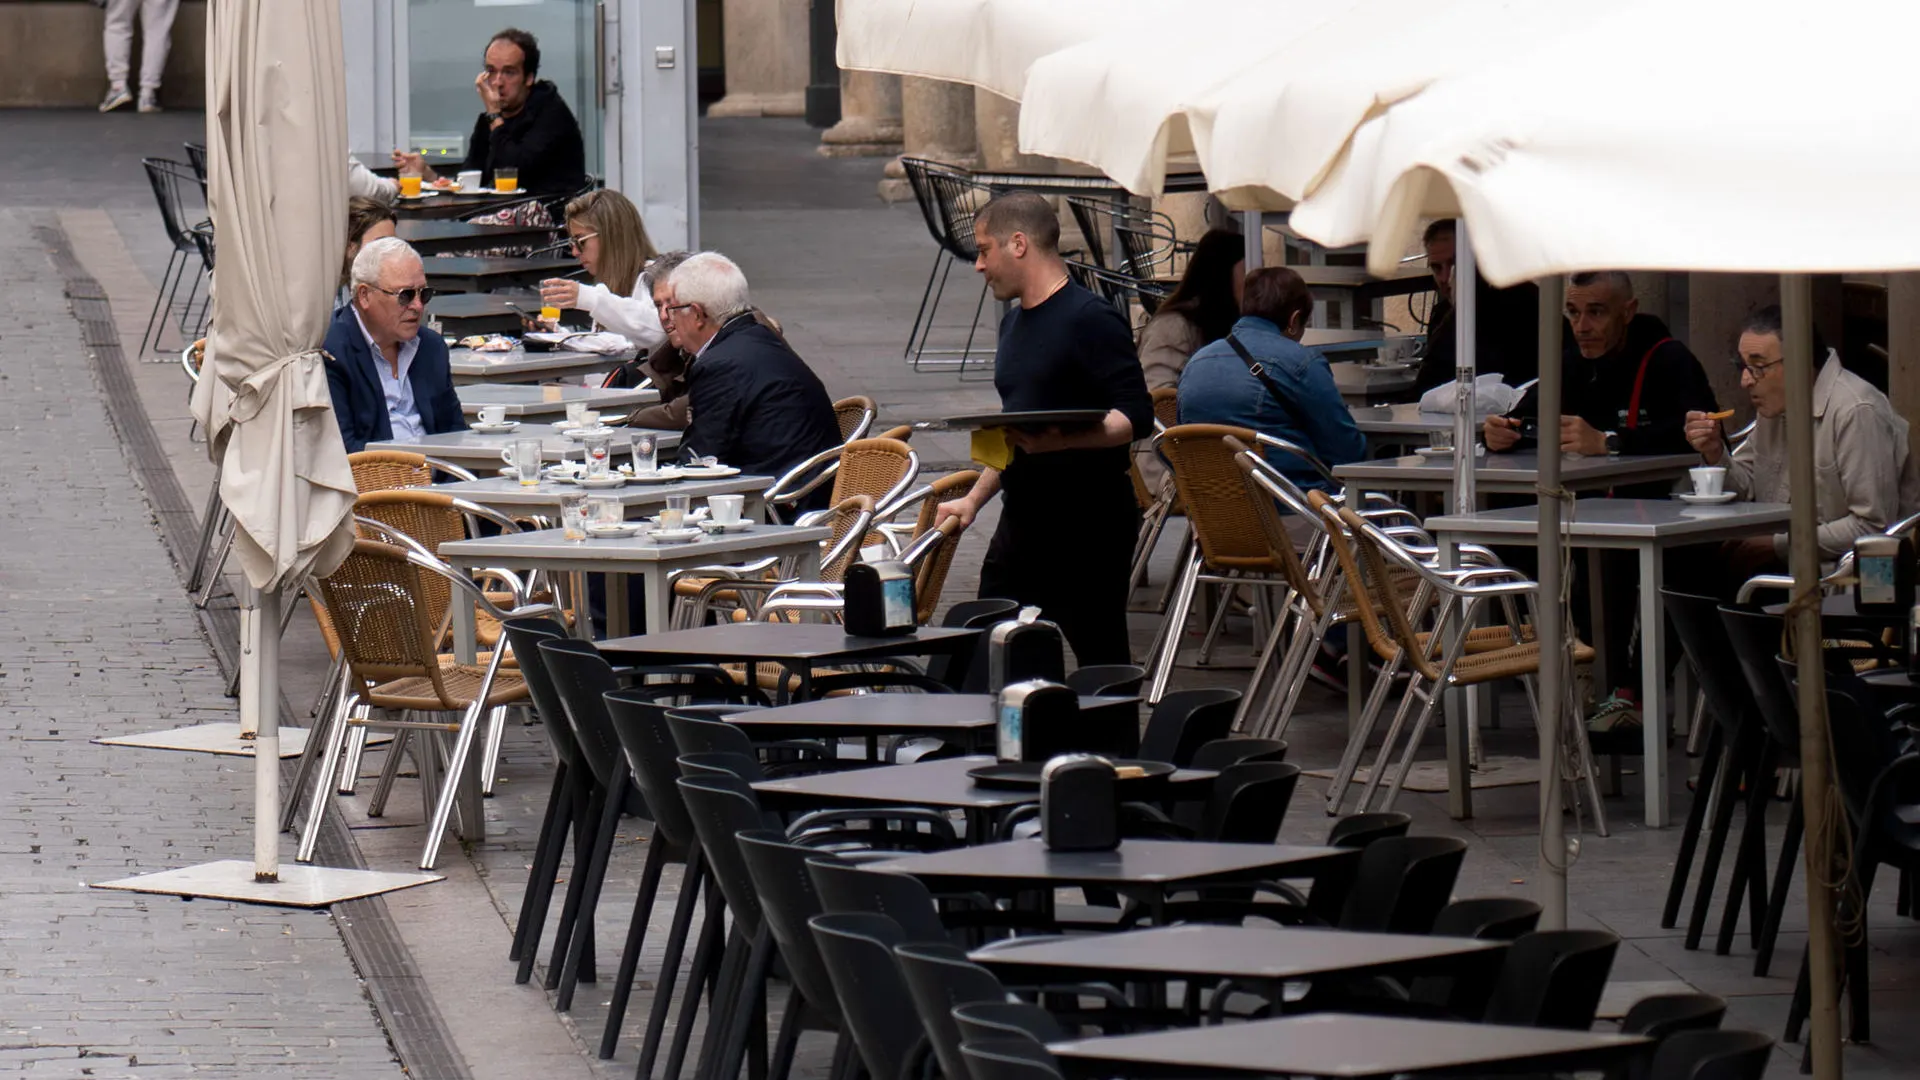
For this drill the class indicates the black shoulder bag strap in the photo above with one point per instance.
(1259, 371)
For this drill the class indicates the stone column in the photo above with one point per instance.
(870, 124)
(939, 127)
(766, 58)
(997, 131)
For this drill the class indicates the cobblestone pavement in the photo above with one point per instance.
(97, 640)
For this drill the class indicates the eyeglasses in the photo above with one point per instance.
(669, 309)
(424, 294)
(576, 242)
(1757, 371)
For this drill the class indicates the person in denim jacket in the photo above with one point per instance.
(1218, 387)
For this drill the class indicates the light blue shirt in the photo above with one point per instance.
(402, 413)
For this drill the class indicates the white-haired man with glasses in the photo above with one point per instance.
(1864, 475)
(752, 402)
(388, 375)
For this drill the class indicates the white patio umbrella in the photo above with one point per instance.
(276, 133)
(1688, 157)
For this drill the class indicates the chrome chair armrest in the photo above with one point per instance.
(448, 467)
(476, 510)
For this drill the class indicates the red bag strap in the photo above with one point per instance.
(1640, 380)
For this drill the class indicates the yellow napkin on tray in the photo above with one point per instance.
(991, 448)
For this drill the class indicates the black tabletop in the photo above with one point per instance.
(1228, 952)
(892, 714)
(1345, 1046)
(483, 266)
(801, 643)
(430, 236)
(1159, 863)
(941, 783)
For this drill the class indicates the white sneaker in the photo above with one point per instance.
(149, 101)
(116, 97)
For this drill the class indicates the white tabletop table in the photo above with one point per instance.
(550, 550)
(1360, 381)
(522, 401)
(1514, 473)
(509, 496)
(520, 366)
(1648, 527)
(481, 451)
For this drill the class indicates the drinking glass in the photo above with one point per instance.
(506, 180)
(573, 516)
(410, 183)
(598, 449)
(575, 409)
(646, 453)
(526, 461)
(674, 514)
(605, 510)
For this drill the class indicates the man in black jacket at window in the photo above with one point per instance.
(523, 123)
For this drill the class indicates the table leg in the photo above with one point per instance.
(465, 648)
(1463, 715)
(618, 625)
(755, 508)
(1603, 660)
(1653, 682)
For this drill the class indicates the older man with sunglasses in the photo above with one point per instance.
(389, 377)
(1865, 476)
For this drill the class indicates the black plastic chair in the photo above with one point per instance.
(564, 798)
(1553, 979)
(847, 889)
(1353, 831)
(957, 669)
(722, 763)
(1402, 884)
(1755, 639)
(1249, 802)
(789, 900)
(179, 212)
(1009, 1059)
(703, 729)
(1008, 1019)
(722, 807)
(1664, 1014)
(1487, 918)
(1107, 680)
(639, 723)
(1735, 755)
(1221, 753)
(1186, 720)
(857, 948)
(581, 679)
(1712, 1055)
(941, 978)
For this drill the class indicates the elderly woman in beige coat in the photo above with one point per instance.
(1865, 476)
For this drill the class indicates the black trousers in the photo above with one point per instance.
(1070, 555)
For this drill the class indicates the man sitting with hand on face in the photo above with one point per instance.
(1628, 383)
(1864, 474)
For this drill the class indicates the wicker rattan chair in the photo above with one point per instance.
(1441, 659)
(855, 415)
(378, 603)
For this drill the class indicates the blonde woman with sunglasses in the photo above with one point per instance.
(611, 243)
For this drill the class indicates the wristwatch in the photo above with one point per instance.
(493, 116)
(1613, 442)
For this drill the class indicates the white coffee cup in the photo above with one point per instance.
(589, 418)
(493, 415)
(725, 509)
(1708, 480)
(469, 180)
(575, 410)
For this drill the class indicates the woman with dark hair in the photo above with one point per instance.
(1201, 309)
(367, 220)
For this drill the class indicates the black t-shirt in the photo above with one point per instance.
(1072, 351)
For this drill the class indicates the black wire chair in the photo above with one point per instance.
(179, 212)
(948, 199)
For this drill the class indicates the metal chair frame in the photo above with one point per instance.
(167, 178)
(942, 193)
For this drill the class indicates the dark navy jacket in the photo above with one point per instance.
(755, 404)
(360, 405)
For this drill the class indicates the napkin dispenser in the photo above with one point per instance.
(879, 600)
(1883, 569)
(1033, 715)
(1079, 810)
(1027, 647)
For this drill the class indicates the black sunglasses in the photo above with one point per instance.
(406, 297)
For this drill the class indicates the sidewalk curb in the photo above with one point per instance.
(394, 985)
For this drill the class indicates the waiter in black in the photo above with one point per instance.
(1069, 519)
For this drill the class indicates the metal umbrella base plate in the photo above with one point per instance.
(209, 739)
(299, 886)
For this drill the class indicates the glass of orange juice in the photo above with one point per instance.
(506, 180)
(410, 185)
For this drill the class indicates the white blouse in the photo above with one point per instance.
(632, 317)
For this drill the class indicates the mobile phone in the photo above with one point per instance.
(1530, 428)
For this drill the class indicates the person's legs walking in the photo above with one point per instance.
(156, 32)
(117, 38)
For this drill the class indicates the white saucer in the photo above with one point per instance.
(597, 483)
(1708, 500)
(559, 475)
(494, 429)
(658, 476)
(605, 531)
(580, 434)
(1434, 451)
(715, 527)
(708, 472)
(676, 536)
(425, 193)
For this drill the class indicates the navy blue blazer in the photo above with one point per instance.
(360, 405)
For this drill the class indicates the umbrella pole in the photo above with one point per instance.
(1796, 308)
(260, 694)
(249, 660)
(1550, 624)
(1462, 711)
